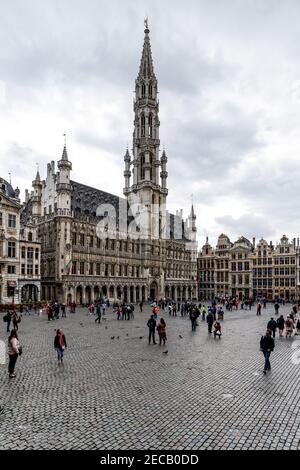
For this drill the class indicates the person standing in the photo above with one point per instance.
(272, 325)
(210, 321)
(151, 325)
(161, 329)
(267, 345)
(13, 352)
(280, 325)
(141, 306)
(298, 327)
(276, 306)
(60, 344)
(63, 310)
(15, 320)
(193, 318)
(8, 320)
(258, 311)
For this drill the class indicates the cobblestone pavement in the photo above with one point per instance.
(122, 393)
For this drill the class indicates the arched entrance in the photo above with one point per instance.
(190, 293)
(79, 295)
(173, 293)
(125, 294)
(119, 292)
(143, 293)
(88, 295)
(178, 293)
(111, 292)
(153, 291)
(137, 294)
(96, 293)
(104, 291)
(131, 294)
(29, 293)
(184, 293)
(167, 292)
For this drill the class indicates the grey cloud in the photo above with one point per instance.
(248, 225)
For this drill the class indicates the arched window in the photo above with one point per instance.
(143, 125)
(143, 90)
(150, 122)
(142, 167)
(30, 236)
(151, 166)
(150, 91)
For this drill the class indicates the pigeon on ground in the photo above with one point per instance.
(165, 352)
(180, 336)
(127, 334)
(141, 337)
(118, 337)
(106, 327)
(112, 337)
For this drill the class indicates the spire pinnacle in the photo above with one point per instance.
(65, 153)
(146, 68)
(37, 178)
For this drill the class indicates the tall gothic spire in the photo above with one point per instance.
(146, 71)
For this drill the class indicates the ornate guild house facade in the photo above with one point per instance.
(95, 244)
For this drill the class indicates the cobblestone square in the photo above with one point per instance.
(122, 393)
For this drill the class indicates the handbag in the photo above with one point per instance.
(20, 350)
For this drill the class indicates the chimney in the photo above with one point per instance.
(294, 243)
(253, 242)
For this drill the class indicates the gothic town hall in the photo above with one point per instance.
(82, 259)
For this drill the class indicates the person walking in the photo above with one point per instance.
(272, 325)
(98, 313)
(289, 327)
(141, 306)
(161, 329)
(151, 325)
(280, 325)
(210, 321)
(13, 352)
(60, 344)
(267, 345)
(298, 327)
(276, 306)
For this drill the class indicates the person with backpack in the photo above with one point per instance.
(151, 325)
(280, 325)
(13, 352)
(267, 345)
(272, 325)
(193, 318)
(60, 344)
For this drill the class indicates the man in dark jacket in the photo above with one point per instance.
(151, 325)
(272, 325)
(267, 345)
(210, 321)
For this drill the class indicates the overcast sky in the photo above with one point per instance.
(229, 82)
